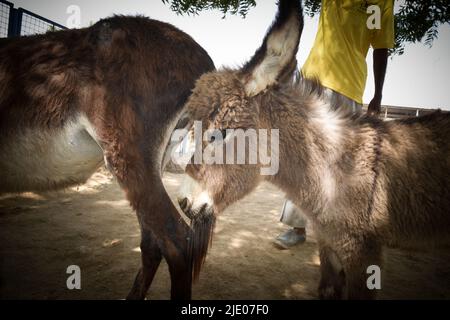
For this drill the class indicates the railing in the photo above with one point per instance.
(5, 12)
(21, 22)
(396, 112)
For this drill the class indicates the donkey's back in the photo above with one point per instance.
(70, 98)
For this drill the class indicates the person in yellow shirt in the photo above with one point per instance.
(347, 28)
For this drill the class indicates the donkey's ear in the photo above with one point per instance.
(277, 52)
(289, 73)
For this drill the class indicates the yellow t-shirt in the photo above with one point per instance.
(338, 57)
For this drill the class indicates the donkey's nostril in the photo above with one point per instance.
(183, 203)
(203, 208)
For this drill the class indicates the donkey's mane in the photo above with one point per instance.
(310, 89)
(308, 94)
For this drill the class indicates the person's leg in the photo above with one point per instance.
(293, 217)
(340, 102)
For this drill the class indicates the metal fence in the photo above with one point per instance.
(21, 22)
(5, 11)
(397, 112)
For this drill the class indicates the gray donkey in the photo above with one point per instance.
(363, 183)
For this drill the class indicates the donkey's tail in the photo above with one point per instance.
(203, 227)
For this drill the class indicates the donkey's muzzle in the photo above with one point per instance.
(191, 212)
(185, 205)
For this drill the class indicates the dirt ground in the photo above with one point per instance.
(92, 226)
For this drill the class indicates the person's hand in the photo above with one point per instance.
(374, 107)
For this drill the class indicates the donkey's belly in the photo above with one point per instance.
(39, 161)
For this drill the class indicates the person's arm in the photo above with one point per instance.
(380, 57)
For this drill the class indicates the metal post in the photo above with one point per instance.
(15, 22)
(12, 22)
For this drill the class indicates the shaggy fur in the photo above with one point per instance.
(362, 182)
(112, 91)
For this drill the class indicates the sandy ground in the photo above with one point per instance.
(92, 226)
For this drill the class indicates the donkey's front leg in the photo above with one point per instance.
(332, 279)
(356, 257)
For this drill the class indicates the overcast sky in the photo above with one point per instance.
(420, 77)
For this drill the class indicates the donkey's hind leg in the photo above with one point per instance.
(161, 224)
(170, 236)
(175, 237)
(151, 258)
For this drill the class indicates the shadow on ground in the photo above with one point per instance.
(92, 226)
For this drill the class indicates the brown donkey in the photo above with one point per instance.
(363, 183)
(111, 93)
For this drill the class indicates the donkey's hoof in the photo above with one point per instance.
(329, 292)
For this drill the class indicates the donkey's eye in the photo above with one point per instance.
(213, 135)
(224, 133)
(218, 133)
